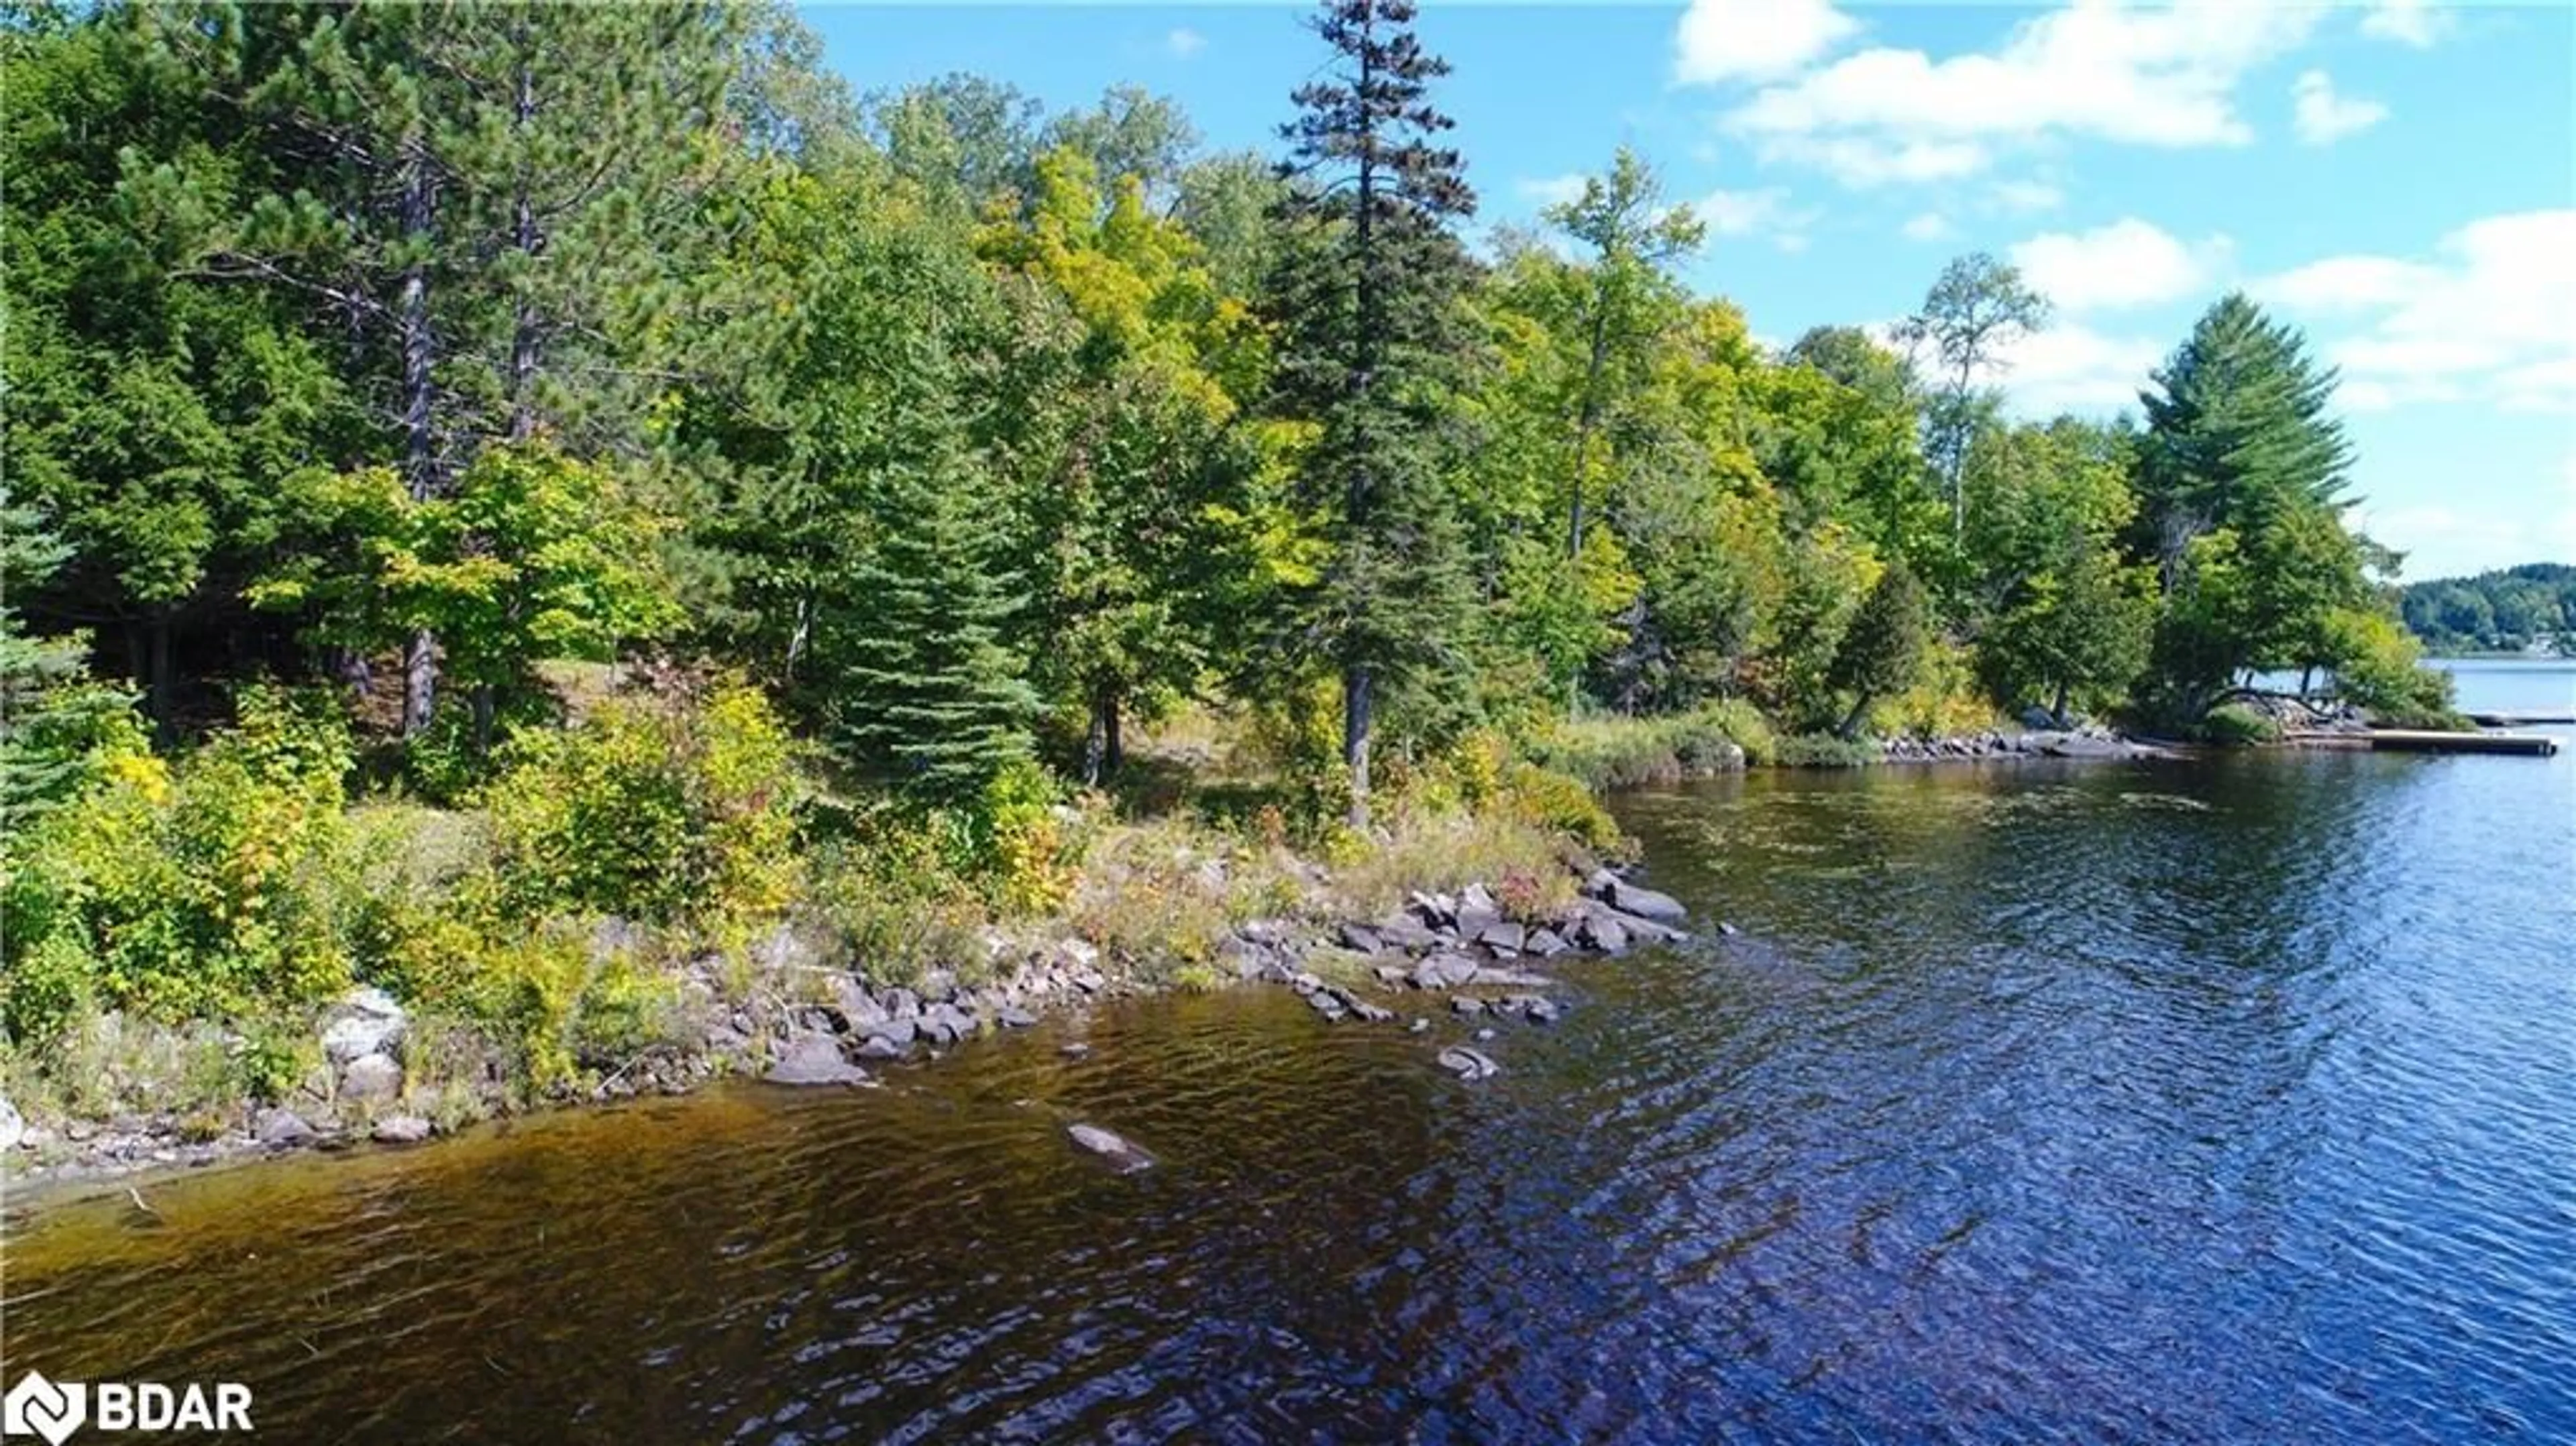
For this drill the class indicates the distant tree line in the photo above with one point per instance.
(2510, 609)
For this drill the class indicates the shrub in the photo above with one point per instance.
(1944, 701)
(665, 810)
(208, 889)
(1825, 750)
(1608, 753)
(2233, 725)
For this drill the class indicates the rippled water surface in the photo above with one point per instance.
(2219, 1101)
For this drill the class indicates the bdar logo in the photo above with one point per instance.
(38, 1407)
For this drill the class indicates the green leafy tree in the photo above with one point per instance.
(529, 556)
(1118, 520)
(1365, 297)
(1976, 309)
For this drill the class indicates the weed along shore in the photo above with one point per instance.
(1479, 957)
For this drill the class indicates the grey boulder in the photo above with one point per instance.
(371, 1079)
(813, 1059)
(364, 1021)
(402, 1130)
(1122, 1154)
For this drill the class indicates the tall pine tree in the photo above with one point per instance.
(2241, 489)
(1365, 294)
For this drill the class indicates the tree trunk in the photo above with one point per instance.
(1357, 686)
(420, 460)
(482, 719)
(523, 314)
(2059, 711)
(349, 665)
(1102, 751)
(1588, 418)
(1356, 680)
(158, 685)
(2307, 680)
(1851, 720)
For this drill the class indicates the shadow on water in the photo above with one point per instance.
(2223, 1100)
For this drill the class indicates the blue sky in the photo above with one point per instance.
(2398, 178)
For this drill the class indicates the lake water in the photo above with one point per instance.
(2220, 1101)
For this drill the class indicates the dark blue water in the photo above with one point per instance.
(2219, 1101)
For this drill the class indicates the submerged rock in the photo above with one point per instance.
(1647, 903)
(1122, 1153)
(1468, 1064)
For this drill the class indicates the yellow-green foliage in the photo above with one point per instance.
(1608, 753)
(550, 992)
(1160, 896)
(660, 810)
(1524, 862)
(1945, 701)
(208, 887)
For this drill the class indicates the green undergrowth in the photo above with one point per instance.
(175, 930)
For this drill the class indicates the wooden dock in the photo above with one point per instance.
(2520, 720)
(2408, 740)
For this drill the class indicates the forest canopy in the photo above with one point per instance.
(368, 367)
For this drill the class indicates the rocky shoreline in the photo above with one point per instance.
(2086, 742)
(1465, 954)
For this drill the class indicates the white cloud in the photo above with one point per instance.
(2446, 542)
(1722, 40)
(2492, 315)
(2069, 367)
(2028, 196)
(1930, 226)
(1184, 42)
(2408, 22)
(1754, 213)
(2324, 117)
(1863, 163)
(1552, 190)
(2064, 367)
(2127, 263)
(2095, 68)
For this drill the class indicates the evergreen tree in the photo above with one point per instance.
(2241, 482)
(53, 718)
(929, 699)
(1883, 649)
(1365, 295)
